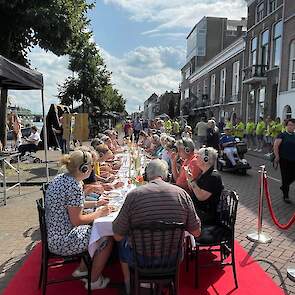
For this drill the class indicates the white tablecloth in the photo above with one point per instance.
(102, 226)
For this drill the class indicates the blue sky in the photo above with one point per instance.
(143, 43)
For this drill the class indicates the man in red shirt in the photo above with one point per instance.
(186, 152)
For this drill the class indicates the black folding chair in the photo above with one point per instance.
(47, 256)
(157, 251)
(44, 188)
(219, 236)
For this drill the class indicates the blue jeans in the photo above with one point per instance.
(126, 254)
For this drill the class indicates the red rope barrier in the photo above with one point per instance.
(274, 218)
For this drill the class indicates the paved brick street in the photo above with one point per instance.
(19, 226)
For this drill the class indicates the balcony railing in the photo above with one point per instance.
(255, 74)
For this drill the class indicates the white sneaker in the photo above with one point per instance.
(101, 283)
(249, 149)
(260, 150)
(77, 273)
(255, 150)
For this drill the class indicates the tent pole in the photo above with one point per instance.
(45, 135)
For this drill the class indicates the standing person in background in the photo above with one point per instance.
(250, 137)
(239, 129)
(175, 128)
(145, 125)
(221, 125)
(137, 127)
(168, 126)
(128, 130)
(212, 135)
(59, 134)
(268, 137)
(284, 150)
(277, 129)
(16, 129)
(260, 129)
(228, 124)
(200, 132)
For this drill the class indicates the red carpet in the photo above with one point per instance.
(251, 278)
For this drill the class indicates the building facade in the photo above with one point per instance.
(216, 86)
(207, 39)
(151, 106)
(169, 104)
(286, 98)
(262, 58)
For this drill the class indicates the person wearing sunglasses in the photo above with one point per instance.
(186, 153)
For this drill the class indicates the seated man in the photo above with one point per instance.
(207, 188)
(227, 143)
(155, 201)
(31, 142)
(186, 152)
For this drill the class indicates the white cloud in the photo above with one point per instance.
(136, 75)
(171, 14)
(145, 70)
(54, 70)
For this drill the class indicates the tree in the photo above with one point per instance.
(113, 100)
(91, 82)
(51, 24)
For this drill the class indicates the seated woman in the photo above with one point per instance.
(113, 135)
(107, 140)
(207, 188)
(156, 149)
(187, 132)
(92, 188)
(107, 170)
(144, 140)
(169, 147)
(68, 229)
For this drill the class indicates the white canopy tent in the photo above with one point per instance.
(16, 77)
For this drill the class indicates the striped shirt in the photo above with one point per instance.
(156, 201)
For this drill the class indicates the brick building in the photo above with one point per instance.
(286, 98)
(169, 104)
(262, 58)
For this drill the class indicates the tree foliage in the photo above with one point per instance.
(113, 100)
(90, 84)
(59, 26)
(52, 24)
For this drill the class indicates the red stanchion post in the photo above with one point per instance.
(259, 236)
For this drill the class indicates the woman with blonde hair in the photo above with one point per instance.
(68, 228)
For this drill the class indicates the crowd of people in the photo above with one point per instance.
(182, 186)
(258, 136)
(191, 191)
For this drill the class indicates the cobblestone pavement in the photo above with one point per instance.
(19, 226)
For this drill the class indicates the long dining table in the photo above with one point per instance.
(102, 226)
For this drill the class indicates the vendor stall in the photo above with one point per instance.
(16, 77)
